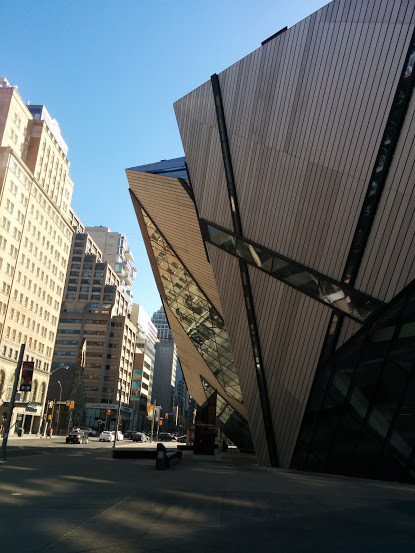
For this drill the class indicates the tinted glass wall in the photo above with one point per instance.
(360, 418)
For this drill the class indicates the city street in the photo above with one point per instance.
(75, 498)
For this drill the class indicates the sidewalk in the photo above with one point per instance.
(86, 501)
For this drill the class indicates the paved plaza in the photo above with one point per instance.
(77, 498)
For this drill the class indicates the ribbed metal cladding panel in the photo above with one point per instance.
(388, 261)
(196, 117)
(305, 114)
(173, 211)
(291, 329)
(228, 279)
(194, 367)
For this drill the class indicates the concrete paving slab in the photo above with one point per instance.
(85, 501)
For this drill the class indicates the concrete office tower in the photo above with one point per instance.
(146, 340)
(166, 362)
(165, 374)
(185, 404)
(35, 239)
(300, 179)
(114, 247)
(95, 307)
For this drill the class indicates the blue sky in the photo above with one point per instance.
(109, 72)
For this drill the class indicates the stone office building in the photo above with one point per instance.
(35, 240)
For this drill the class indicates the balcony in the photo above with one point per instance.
(128, 255)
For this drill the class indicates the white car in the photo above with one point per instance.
(106, 436)
(120, 435)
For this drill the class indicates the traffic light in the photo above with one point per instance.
(99, 420)
(160, 422)
(166, 415)
(108, 411)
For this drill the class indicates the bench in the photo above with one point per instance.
(165, 458)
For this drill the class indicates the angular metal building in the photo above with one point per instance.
(283, 245)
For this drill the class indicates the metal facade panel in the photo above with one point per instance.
(388, 262)
(305, 114)
(196, 117)
(291, 328)
(227, 276)
(176, 218)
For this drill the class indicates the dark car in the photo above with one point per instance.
(77, 438)
(182, 439)
(140, 437)
(88, 431)
(166, 437)
(128, 435)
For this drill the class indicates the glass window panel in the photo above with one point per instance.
(404, 422)
(366, 455)
(345, 436)
(262, 258)
(407, 330)
(222, 239)
(403, 353)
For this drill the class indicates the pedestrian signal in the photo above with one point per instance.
(108, 411)
(166, 415)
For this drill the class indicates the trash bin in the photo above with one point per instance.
(20, 432)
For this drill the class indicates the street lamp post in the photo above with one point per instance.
(117, 422)
(59, 406)
(44, 399)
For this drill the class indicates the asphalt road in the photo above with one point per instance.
(75, 499)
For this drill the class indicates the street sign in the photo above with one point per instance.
(101, 405)
(27, 376)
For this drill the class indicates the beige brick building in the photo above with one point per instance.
(95, 307)
(35, 240)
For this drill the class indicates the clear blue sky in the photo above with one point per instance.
(109, 72)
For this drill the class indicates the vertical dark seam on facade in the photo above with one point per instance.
(243, 268)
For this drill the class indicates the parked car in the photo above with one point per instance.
(106, 436)
(129, 434)
(89, 431)
(166, 437)
(120, 435)
(140, 437)
(77, 437)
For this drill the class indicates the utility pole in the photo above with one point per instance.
(117, 420)
(152, 421)
(11, 405)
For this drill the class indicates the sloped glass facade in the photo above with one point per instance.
(200, 320)
(360, 418)
(231, 422)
